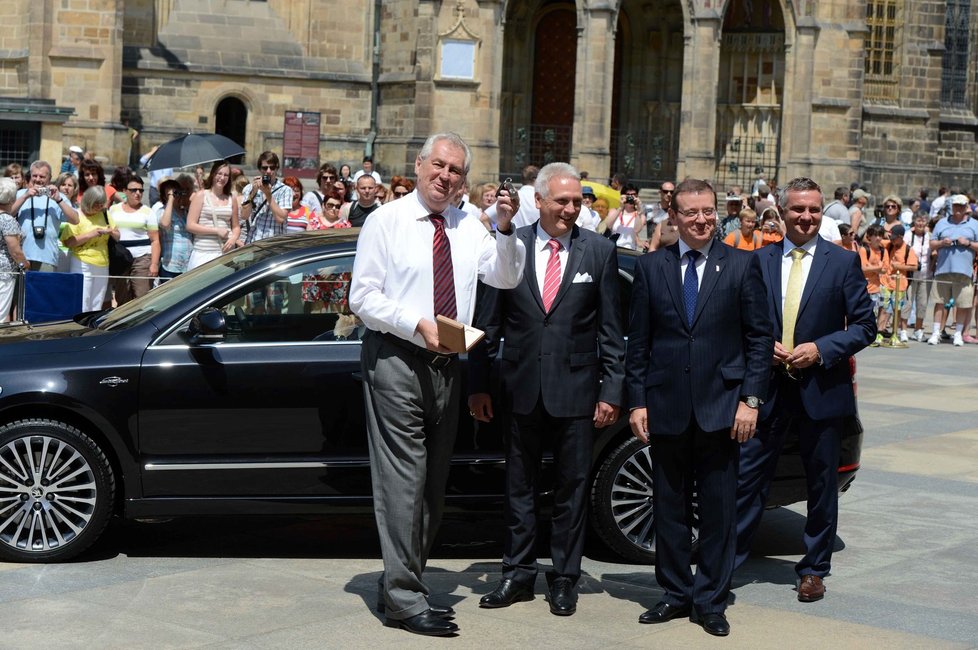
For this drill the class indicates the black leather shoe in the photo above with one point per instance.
(563, 598)
(438, 610)
(664, 612)
(715, 624)
(425, 623)
(508, 592)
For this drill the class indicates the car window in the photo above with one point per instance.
(160, 299)
(302, 303)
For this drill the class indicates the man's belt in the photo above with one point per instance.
(135, 243)
(433, 359)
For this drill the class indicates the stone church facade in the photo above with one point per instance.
(883, 92)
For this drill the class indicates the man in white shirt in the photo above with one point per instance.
(528, 212)
(368, 169)
(420, 257)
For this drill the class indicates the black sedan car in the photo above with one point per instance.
(236, 389)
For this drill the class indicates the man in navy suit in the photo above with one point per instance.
(563, 375)
(699, 346)
(818, 287)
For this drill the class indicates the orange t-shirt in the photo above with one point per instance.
(903, 256)
(737, 240)
(771, 238)
(870, 257)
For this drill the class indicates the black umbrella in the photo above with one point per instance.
(193, 149)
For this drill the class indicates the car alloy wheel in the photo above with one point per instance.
(622, 511)
(56, 491)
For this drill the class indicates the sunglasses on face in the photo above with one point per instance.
(333, 206)
(134, 189)
(400, 193)
(329, 177)
(268, 168)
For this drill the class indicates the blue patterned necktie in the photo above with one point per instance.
(690, 285)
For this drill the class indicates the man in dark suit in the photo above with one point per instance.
(563, 374)
(698, 361)
(822, 315)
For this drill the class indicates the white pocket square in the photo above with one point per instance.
(583, 277)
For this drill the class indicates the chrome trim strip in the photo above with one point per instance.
(223, 346)
(163, 467)
(156, 467)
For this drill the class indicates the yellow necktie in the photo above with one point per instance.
(792, 300)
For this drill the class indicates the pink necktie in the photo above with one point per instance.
(444, 277)
(551, 280)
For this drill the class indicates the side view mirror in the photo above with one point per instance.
(207, 326)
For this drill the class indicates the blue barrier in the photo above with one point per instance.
(52, 296)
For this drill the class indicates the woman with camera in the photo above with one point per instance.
(176, 240)
(88, 246)
(213, 217)
(628, 220)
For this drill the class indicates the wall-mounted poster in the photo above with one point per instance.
(300, 147)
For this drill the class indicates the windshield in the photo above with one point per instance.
(180, 288)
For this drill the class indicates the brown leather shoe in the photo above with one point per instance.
(810, 589)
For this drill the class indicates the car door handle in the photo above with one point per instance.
(357, 376)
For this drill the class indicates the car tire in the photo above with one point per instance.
(58, 490)
(622, 513)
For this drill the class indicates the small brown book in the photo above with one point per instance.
(457, 336)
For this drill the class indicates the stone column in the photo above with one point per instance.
(701, 64)
(796, 112)
(591, 144)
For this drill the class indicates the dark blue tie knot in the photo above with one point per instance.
(693, 255)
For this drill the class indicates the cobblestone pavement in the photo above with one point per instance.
(902, 570)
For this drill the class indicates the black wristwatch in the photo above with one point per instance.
(752, 401)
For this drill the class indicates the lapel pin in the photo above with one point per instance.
(718, 268)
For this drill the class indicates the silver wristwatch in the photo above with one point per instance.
(752, 401)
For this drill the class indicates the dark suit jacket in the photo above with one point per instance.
(680, 372)
(835, 313)
(572, 356)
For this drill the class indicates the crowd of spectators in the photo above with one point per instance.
(182, 221)
(918, 255)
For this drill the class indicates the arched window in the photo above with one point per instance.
(231, 121)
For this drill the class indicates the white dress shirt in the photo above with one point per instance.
(392, 286)
(700, 261)
(541, 249)
(806, 263)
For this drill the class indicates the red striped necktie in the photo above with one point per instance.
(444, 276)
(551, 279)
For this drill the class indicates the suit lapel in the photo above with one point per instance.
(715, 264)
(670, 271)
(529, 237)
(773, 270)
(578, 249)
(819, 262)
